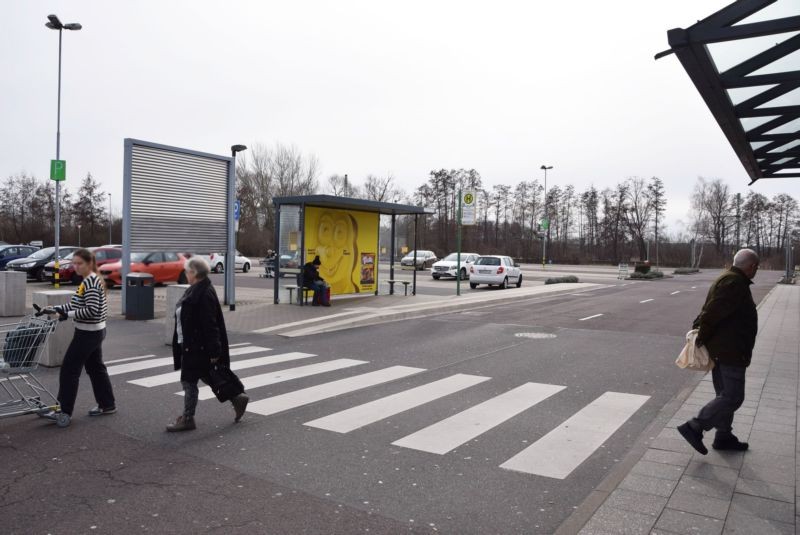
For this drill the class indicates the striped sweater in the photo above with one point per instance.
(88, 305)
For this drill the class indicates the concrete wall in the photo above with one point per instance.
(59, 341)
(12, 293)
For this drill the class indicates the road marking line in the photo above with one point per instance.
(312, 394)
(368, 413)
(240, 344)
(590, 317)
(564, 448)
(165, 361)
(174, 377)
(129, 359)
(676, 292)
(248, 350)
(693, 287)
(646, 301)
(460, 428)
(281, 376)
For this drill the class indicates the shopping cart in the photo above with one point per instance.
(21, 347)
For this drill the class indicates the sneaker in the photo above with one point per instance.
(183, 423)
(694, 438)
(100, 411)
(62, 419)
(730, 444)
(240, 405)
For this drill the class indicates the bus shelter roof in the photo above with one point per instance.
(347, 203)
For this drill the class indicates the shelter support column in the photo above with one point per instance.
(392, 254)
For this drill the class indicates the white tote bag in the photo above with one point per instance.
(693, 357)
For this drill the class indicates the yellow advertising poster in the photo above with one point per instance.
(346, 242)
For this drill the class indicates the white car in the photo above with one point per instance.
(448, 267)
(495, 270)
(217, 262)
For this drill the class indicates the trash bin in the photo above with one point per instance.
(139, 296)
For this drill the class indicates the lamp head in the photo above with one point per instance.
(546, 167)
(73, 26)
(238, 148)
(54, 23)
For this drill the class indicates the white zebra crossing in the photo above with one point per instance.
(361, 415)
(312, 394)
(564, 448)
(166, 361)
(174, 377)
(256, 381)
(460, 428)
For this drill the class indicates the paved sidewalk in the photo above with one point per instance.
(673, 489)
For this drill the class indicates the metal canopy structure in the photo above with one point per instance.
(290, 213)
(745, 62)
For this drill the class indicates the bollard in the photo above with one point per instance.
(53, 354)
(174, 293)
(12, 293)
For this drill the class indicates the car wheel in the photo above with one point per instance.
(504, 286)
(245, 268)
(76, 279)
(436, 277)
(219, 268)
(519, 282)
(182, 278)
(473, 285)
(462, 274)
(39, 275)
(109, 284)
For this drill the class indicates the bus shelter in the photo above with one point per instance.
(344, 233)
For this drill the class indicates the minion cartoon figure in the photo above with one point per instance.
(333, 237)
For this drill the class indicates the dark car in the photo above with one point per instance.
(103, 255)
(34, 264)
(12, 252)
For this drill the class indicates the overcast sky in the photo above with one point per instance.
(369, 87)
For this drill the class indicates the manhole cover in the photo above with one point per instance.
(538, 336)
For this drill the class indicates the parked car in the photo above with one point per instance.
(448, 266)
(66, 273)
(425, 259)
(217, 262)
(12, 252)
(495, 270)
(164, 267)
(34, 264)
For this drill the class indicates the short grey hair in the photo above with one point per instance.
(198, 266)
(745, 258)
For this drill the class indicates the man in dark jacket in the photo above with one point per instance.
(313, 281)
(728, 323)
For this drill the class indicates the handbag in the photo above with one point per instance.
(224, 383)
(693, 357)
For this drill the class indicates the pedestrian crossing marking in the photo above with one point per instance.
(368, 413)
(564, 448)
(174, 377)
(305, 396)
(118, 361)
(166, 361)
(460, 428)
(280, 376)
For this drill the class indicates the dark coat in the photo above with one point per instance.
(310, 275)
(728, 322)
(204, 333)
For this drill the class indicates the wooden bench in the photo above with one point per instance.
(392, 282)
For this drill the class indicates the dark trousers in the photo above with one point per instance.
(320, 292)
(85, 351)
(718, 413)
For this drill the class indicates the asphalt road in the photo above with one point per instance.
(622, 338)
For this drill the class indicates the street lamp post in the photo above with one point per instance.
(56, 24)
(546, 216)
(230, 257)
(110, 220)
(79, 234)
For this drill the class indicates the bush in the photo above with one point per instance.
(685, 271)
(642, 267)
(647, 276)
(557, 280)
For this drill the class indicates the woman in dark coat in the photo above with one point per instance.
(200, 340)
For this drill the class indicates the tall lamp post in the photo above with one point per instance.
(56, 24)
(110, 220)
(546, 216)
(230, 257)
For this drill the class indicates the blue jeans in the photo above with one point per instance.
(320, 292)
(718, 413)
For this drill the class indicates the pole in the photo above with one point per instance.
(392, 253)
(230, 254)
(458, 247)
(58, 182)
(110, 221)
(546, 217)
(416, 236)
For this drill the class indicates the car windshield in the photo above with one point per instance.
(488, 261)
(453, 257)
(42, 253)
(138, 257)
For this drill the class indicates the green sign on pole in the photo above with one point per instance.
(58, 170)
(545, 224)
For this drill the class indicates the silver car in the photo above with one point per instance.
(425, 259)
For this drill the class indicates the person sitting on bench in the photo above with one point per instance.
(313, 281)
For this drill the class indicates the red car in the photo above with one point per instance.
(104, 255)
(164, 267)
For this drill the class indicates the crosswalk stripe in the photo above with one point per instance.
(280, 376)
(312, 394)
(174, 377)
(564, 448)
(460, 428)
(368, 413)
(240, 344)
(165, 361)
(129, 359)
